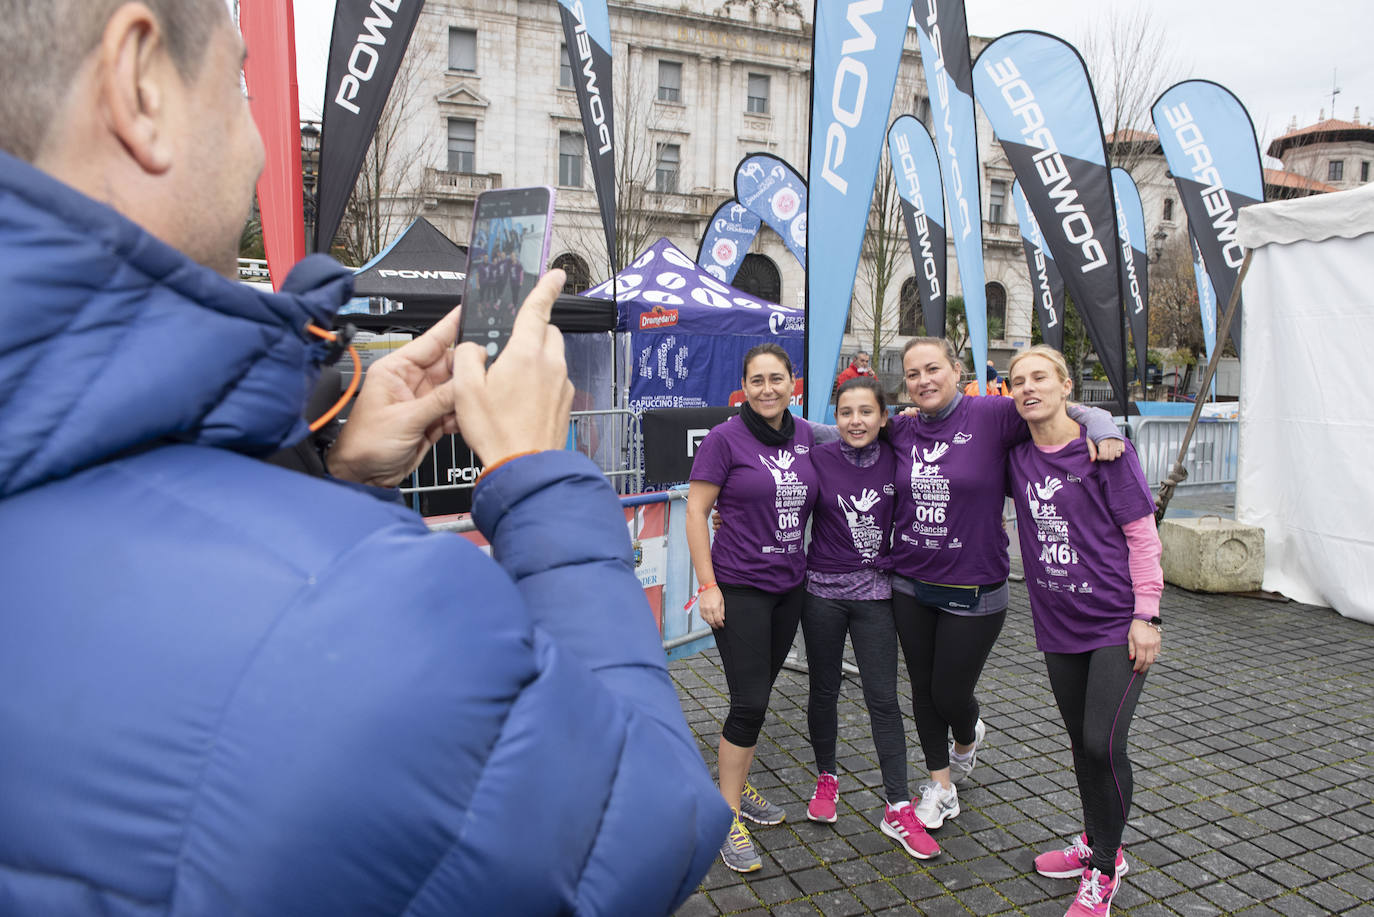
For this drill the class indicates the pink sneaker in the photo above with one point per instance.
(905, 828)
(822, 805)
(1070, 862)
(1095, 894)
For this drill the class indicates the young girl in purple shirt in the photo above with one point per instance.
(949, 554)
(849, 591)
(756, 470)
(1091, 556)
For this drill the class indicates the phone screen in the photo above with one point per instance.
(506, 255)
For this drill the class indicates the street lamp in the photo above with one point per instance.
(310, 170)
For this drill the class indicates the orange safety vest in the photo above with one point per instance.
(997, 388)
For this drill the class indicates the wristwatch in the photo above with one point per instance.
(1154, 622)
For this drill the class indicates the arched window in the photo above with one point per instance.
(758, 276)
(909, 319)
(997, 311)
(579, 278)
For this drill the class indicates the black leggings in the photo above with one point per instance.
(753, 644)
(945, 654)
(869, 625)
(1097, 693)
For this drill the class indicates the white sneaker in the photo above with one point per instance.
(936, 805)
(959, 771)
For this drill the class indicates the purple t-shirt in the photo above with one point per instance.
(1069, 516)
(766, 494)
(950, 474)
(851, 525)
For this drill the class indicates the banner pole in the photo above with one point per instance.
(1179, 473)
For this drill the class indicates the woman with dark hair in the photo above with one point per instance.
(849, 592)
(949, 553)
(1091, 555)
(756, 469)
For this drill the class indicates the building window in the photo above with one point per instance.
(909, 304)
(462, 49)
(579, 277)
(565, 77)
(665, 173)
(462, 145)
(758, 276)
(921, 109)
(997, 311)
(570, 159)
(1364, 171)
(669, 81)
(997, 202)
(1335, 170)
(758, 94)
(1168, 209)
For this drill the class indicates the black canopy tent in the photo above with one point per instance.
(424, 270)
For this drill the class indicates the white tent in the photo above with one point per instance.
(1307, 402)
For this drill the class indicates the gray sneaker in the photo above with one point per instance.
(959, 771)
(738, 851)
(754, 807)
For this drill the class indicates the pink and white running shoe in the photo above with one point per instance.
(1070, 862)
(822, 805)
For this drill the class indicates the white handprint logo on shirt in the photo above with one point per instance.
(863, 528)
(778, 467)
(1040, 509)
(934, 453)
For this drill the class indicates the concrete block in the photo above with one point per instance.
(1211, 554)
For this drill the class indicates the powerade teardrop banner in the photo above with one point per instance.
(368, 44)
(916, 170)
(1035, 90)
(856, 49)
(729, 233)
(1209, 143)
(1047, 285)
(943, 35)
(1207, 304)
(775, 193)
(587, 31)
(1135, 282)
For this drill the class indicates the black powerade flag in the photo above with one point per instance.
(587, 31)
(1036, 92)
(368, 44)
(916, 170)
(1209, 143)
(1048, 285)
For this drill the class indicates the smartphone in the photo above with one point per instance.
(506, 255)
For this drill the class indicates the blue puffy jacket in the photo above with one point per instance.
(227, 688)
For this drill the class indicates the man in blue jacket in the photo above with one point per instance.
(228, 688)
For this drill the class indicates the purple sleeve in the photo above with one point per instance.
(1123, 485)
(712, 461)
(1014, 429)
(823, 432)
(1097, 422)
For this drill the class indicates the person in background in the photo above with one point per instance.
(230, 688)
(995, 384)
(857, 367)
(949, 554)
(1091, 556)
(756, 467)
(849, 592)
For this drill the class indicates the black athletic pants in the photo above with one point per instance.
(945, 654)
(1097, 694)
(753, 644)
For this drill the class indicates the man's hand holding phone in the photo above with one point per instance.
(522, 402)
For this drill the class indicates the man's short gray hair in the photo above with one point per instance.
(44, 43)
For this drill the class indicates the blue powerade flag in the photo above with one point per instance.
(1035, 90)
(1209, 143)
(587, 31)
(857, 47)
(942, 30)
(776, 194)
(1044, 273)
(1135, 266)
(729, 233)
(1207, 305)
(916, 170)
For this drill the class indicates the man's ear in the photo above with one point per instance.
(134, 68)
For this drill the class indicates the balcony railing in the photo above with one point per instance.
(462, 184)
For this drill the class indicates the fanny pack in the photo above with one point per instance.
(952, 598)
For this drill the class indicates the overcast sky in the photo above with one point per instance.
(1279, 58)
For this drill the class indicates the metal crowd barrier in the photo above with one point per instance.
(1211, 456)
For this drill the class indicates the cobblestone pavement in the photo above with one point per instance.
(1253, 748)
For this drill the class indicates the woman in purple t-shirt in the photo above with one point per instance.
(949, 554)
(1091, 556)
(849, 591)
(756, 470)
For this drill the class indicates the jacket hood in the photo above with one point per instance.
(111, 340)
